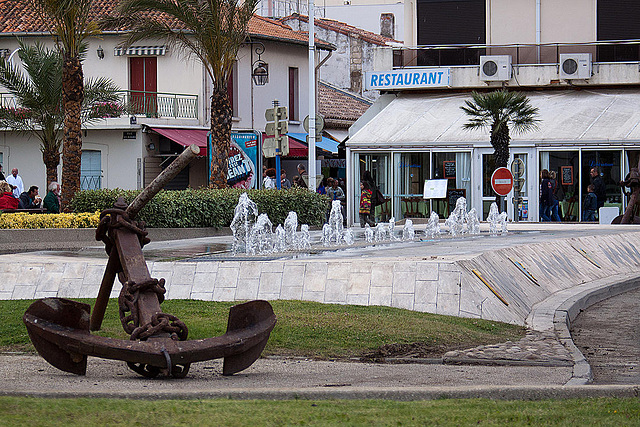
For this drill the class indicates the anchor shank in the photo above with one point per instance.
(113, 265)
(135, 269)
(161, 180)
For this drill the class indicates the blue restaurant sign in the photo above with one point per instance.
(407, 79)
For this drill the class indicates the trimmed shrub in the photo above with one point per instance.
(65, 220)
(209, 208)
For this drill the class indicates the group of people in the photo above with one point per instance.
(550, 201)
(13, 195)
(269, 180)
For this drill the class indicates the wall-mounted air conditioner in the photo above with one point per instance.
(495, 67)
(575, 65)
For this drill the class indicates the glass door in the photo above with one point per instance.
(412, 169)
(484, 196)
(379, 165)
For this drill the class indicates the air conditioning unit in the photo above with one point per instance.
(575, 65)
(495, 67)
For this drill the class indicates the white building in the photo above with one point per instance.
(572, 66)
(384, 17)
(354, 53)
(171, 92)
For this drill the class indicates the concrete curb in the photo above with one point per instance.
(354, 393)
(572, 306)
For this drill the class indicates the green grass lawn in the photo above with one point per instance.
(303, 328)
(21, 411)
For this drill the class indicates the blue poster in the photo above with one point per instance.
(243, 158)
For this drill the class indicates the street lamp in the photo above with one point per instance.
(260, 69)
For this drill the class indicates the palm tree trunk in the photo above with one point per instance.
(221, 115)
(51, 159)
(500, 142)
(72, 95)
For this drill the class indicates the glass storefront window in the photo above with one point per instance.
(609, 168)
(456, 168)
(565, 165)
(412, 170)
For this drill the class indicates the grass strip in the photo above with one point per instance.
(307, 329)
(20, 411)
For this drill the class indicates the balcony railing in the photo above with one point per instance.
(150, 104)
(521, 54)
(159, 104)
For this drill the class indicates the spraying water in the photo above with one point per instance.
(244, 216)
(433, 226)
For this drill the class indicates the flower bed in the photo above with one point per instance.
(23, 220)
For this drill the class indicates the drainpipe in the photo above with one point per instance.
(538, 35)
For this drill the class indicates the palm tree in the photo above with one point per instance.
(37, 100)
(69, 21)
(212, 31)
(500, 110)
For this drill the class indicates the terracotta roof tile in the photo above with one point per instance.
(15, 17)
(339, 107)
(343, 28)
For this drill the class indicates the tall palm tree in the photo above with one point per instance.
(37, 96)
(212, 31)
(500, 110)
(69, 21)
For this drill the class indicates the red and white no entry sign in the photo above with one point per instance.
(502, 181)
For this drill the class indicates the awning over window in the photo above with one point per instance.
(140, 51)
(186, 137)
(325, 144)
(589, 116)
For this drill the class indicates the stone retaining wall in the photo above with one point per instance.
(442, 287)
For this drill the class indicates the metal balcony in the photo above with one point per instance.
(521, 54)
(150, 104)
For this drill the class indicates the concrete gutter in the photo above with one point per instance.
(560, 309)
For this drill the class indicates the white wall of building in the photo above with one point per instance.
(177, 74)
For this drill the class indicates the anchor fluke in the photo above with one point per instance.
(45, 319)
(247, 316)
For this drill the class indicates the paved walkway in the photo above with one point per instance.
(544, 365)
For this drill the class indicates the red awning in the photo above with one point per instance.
(297, 149)
(186, 137)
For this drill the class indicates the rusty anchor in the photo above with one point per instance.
(59, 328)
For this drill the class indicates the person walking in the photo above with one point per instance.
(590, 204)
(365, 204)
(555, 203)
(16, 182)
(546, 194)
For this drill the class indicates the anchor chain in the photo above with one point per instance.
(117, 217)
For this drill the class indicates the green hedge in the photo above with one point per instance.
(207, 207)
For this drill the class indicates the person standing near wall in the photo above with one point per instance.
(599, 187)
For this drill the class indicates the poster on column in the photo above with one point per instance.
(243, 158)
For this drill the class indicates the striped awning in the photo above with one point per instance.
(140, 51)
